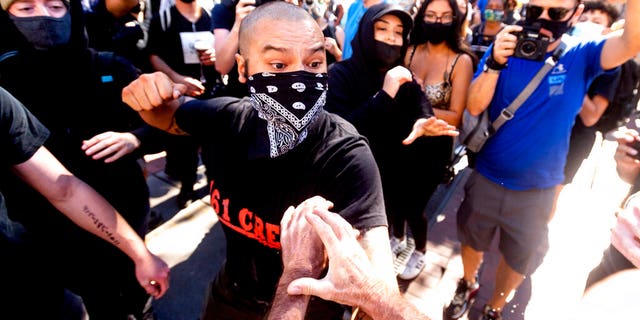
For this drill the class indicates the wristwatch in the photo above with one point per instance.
(487, 69)
(491, 66)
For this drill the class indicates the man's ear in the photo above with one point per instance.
(577, 14)
(242, 68)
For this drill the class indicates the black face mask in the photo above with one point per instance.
(44, 32)
(289, 102)
(434, 32)
(387, 54)
(557, 28)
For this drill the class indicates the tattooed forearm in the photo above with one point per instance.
(101, 226)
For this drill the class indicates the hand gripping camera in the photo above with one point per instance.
(531, 44)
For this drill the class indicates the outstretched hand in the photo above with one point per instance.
(430, 127)
(110, 145)
(351, 278)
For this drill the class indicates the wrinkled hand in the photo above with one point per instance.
(625, 235)
(302, 251)
(394, 78)
(430, 127)
(153, 275)
(504, 44)
(351, 279)
(151, 90)
(113, 145)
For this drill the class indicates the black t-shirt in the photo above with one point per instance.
(250, 192)
(168, 45)
(22, 133)
(22, 136)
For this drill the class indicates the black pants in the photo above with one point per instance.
(612, 261)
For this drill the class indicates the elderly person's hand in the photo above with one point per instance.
(625, 235)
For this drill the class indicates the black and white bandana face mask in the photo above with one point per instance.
(289, 102)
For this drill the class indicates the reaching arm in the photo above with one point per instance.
(483, 87)
(592, 109)
(352, 278)
(85, 207)
(302, 256)
(226, 43)
(620, 48)
(156, 98)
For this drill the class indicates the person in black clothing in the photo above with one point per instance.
(22, 142)
(76, 93)
(382, 100)
(115, 25)
(268, 152)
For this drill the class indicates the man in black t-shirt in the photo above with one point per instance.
(265, 153)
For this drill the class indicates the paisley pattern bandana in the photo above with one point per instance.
(289, 102)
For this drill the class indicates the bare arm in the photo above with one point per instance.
(119, 8)
(592, 109)
(86, 208)
(483, 87)
(461, 79)
(618, 49)
(352, 278)
(302, 256)
(226, 43)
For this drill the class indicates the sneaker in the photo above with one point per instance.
(414, 266)
(400, 260)
(398, 245)
(462, 299)
(490, 314)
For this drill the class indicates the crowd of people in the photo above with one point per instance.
(310, 118)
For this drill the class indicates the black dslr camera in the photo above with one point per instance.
(531, 44)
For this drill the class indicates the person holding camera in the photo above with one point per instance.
(513, 185)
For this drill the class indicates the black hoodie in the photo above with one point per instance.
(355, 89)
(355, 93)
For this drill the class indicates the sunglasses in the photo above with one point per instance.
(555, 13)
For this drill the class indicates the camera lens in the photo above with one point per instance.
(528, 48)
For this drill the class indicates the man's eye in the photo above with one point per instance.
(278, 65)
(315, 64)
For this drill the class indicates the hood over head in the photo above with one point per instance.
(363, 43)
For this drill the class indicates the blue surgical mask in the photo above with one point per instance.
(44, 32)
(493, 15)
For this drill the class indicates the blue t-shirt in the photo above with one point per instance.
(530, 150)
(354, 14)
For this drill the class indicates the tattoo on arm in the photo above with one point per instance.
(100, 226)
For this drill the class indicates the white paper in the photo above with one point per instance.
(188, 39)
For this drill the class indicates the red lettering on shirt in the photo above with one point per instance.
(249, 224)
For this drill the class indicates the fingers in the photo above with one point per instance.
(307, 287)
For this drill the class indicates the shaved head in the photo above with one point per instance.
(270, 12)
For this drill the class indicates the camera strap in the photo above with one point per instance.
(507, 113)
